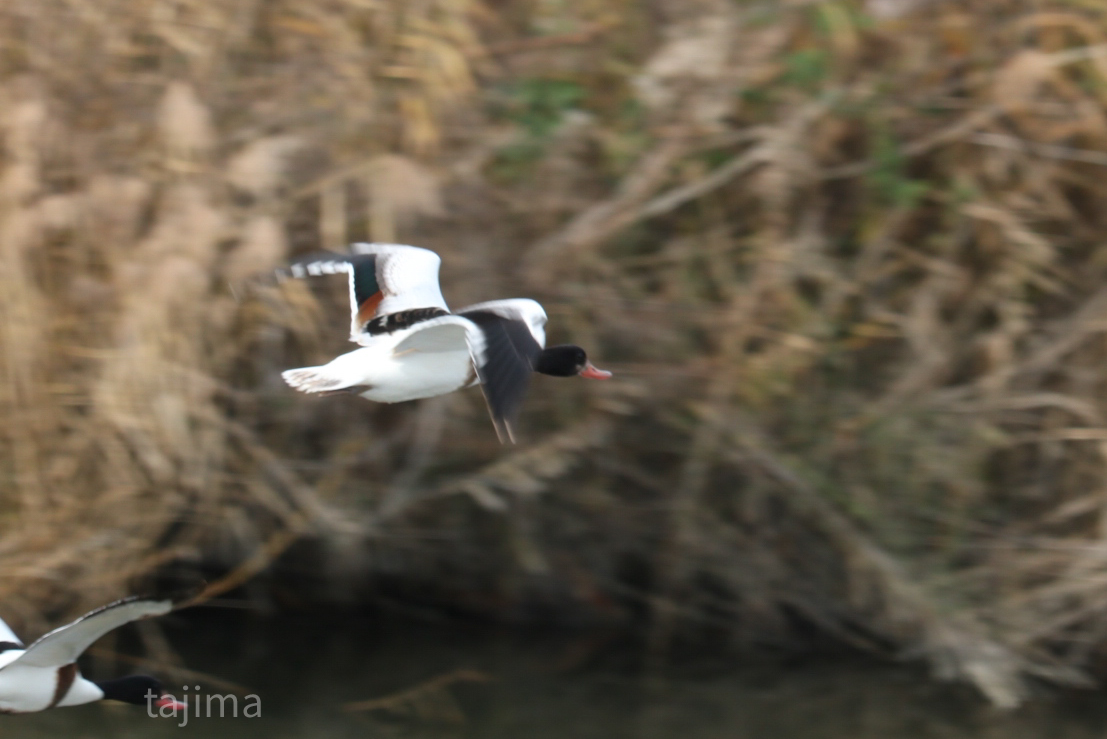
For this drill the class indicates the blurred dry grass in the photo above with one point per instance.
(153, 154)
(845, 258)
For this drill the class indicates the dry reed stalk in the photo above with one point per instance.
(939, 318)
(900, 232)
(121, 229)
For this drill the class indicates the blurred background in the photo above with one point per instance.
(845, 258)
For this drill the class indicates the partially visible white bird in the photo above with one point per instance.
(413, 347)
(45, 675)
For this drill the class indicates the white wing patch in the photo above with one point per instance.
(445, 334)
(516, 309)
(6, 634)
(442, 334)
(64, 645)
(6, 658)
(407, 276)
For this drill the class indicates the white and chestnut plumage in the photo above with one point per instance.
(45, 674)
(414, 347)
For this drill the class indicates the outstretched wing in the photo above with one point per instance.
(384, 279)
(64, 645)
(512, 333)
(365, 293)
(407, 275)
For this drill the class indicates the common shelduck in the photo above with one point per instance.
(45, 674)
(414, 347)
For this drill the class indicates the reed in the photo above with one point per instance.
(843, 256)
(154, 156)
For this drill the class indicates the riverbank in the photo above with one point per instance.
(309, 668)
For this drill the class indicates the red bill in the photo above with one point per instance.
(594, 373)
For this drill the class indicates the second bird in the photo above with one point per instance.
(413, 347)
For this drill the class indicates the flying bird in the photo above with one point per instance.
(45, 675)
(413, 347)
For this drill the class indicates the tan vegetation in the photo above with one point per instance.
(845, 258)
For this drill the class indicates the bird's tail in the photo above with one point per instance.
(314, 380)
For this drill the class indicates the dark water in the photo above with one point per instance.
(541, 686)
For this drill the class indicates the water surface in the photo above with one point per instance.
(542, 686)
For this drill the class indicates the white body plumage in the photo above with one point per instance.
(433, 357)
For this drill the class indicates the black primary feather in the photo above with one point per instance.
(390, 322)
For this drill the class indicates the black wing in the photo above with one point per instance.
(510, 351)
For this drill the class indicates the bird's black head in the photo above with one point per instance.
(135, 689)
(567, 360)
